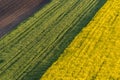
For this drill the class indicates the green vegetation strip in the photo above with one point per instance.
(35, 44)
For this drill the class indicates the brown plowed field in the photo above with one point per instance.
(12, 12)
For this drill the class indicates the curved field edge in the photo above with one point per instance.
(29, 50)
(94, 54)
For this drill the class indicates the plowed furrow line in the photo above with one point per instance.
(45, 49)
(18, 55)
(18, 51)
(29, 27)
(43, 58)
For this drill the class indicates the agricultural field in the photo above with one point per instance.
(94, 54)
(63, 40)
(12, 12)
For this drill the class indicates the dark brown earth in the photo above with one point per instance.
(12, 12)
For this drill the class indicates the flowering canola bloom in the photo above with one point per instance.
(28, 50)
(95, 51)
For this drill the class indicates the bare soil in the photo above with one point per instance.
(12, 12)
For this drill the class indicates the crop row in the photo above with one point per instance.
(37, 42)
(94, 53)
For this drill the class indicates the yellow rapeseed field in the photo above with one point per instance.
(94, 54)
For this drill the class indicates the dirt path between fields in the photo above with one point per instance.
(12, 12)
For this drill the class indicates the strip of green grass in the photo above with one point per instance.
(31, 48)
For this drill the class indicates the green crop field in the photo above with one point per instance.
(30, 49)
(94, 54)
